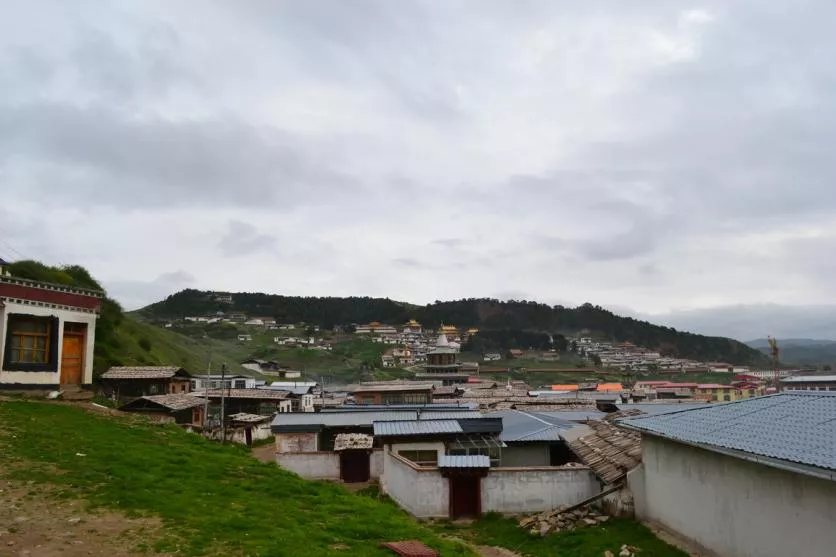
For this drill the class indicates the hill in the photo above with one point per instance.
(801, 351)
(483, 313)
(212, 499)
(121, 339)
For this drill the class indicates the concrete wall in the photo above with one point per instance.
(314, 466)
(48, 378)
(376, 464)
(534, 454)
(423, 492)
(517, 490)
(239, 434)
(733, 507)
(296, 442)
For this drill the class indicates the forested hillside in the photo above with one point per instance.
(485, 314)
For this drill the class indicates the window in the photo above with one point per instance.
(240, 384)
(31, 343)
(491, 452)
(421, 458)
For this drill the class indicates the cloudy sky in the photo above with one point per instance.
(655, 156)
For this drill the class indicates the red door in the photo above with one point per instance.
(465, 496)
(355, 466)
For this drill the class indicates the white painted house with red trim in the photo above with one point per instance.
(47, 333)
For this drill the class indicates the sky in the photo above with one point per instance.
(661, 158)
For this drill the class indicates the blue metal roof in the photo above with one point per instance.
(793, 426)
(519, 426)
(653, 408)
(417, 427)
(314, 421)
(472, 461)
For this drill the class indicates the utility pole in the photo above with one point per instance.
(223, 404)
(206, 394)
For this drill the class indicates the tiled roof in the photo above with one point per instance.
(141, 372)
(608, 450)
(175, 402)
(793, 426)
(345, 441)
(472, 461)
(260, 394)
(417, 427)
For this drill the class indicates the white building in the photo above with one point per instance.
(47, 333)
(752, 478)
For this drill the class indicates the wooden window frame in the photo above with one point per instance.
(418, 453)
(51, 363)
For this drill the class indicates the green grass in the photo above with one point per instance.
(494, 530)
(213, 499)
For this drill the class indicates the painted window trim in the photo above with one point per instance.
(50, 366)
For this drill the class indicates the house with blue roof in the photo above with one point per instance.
(755, 477)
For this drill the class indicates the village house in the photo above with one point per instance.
(300, 394)
(123, 382)
(261, 402)
(182, 409)
(809, 383)
(403, 393)
(305, 443)
(751, 477)
(47, 334)
(726, 393)
(225, 381)
(245, 338)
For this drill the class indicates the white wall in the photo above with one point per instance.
(51, 378)
(376, 464)
(314, 466)
(423, 493)
(296, 442)
(733, 507)
(529, 454)
(516, 490)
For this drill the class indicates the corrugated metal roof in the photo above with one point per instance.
(652, 409)
(315, 421)
(456, 461)
(810, 379)
(520, 426)
(417, 427)
(793, 426)
(403, 387)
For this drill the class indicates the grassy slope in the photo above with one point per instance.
(494, 530)
(170, 348)
(214, 499)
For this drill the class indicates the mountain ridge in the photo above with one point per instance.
(483, 313)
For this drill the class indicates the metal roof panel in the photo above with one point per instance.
(794, 426)
(417, 427)
(456, 461)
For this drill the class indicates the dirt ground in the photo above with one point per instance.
(35, 523)
(266, 453)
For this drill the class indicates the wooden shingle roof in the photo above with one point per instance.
(143, 372)
(610, 451)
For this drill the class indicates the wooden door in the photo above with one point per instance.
(465, 497)
(72, 359)
(354, 466)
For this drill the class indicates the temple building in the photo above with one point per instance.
(443, 358)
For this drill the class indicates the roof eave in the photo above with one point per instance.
(785, 465)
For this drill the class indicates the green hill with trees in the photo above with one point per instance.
(483, 313)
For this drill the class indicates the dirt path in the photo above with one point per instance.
(266, 453)
(34, 522)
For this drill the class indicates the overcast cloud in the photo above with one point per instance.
(659, 156)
